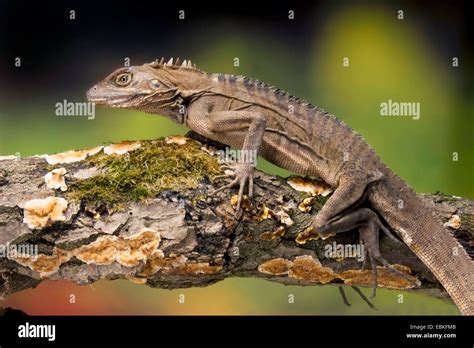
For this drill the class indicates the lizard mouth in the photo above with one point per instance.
(115, 99)
(97, 97)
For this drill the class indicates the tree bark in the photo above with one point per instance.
(187, 238)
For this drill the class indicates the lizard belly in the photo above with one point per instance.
(296, 157)
(284, 153)
(279, 149)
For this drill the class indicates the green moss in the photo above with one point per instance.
(443, 197)
(320, 201)
(467, 223)
(142, 173)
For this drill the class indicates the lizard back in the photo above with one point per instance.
(325, 145)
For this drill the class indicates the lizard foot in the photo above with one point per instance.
(369, 234)
(363, 297)
(369, 227)
(242, 175)
(358, 292)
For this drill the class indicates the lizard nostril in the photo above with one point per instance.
(91, 93)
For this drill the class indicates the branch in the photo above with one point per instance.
(142, 211)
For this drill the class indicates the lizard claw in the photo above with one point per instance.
(370, 238)
(243, 175)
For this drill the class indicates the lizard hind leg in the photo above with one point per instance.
(369, 233)
(369, 226)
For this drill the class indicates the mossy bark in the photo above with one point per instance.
(196, 238)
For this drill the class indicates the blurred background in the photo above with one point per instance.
(408, 60)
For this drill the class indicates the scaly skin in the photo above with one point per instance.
(299, 137)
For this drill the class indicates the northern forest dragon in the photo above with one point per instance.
(293, 134)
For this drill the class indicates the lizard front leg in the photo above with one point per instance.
(237, 125)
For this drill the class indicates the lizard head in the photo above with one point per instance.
(151, 88)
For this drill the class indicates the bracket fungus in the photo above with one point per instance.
(312, 186)
(128, 251)
(307, 204)
(45, 265)
(277, 266)
(263, 212)
(180, 140)
(272, 235)
(55, 179)
(309, 269)
(385, 277)
(121, 148)
(72, 156)
(309, 234)
(246, 204)
(305, 268)
(454, 222)
(39, 213)
(177, 265)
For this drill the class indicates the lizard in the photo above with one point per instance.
(295, 135)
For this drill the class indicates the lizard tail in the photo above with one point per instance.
(424, 234)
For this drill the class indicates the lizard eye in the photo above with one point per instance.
(155, 83)
(123, 79)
